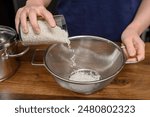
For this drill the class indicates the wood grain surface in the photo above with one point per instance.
(35, 82)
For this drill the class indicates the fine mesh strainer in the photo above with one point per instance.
(96, 55)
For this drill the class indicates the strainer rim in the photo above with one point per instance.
(85, 82)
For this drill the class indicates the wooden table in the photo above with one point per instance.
(32, 82)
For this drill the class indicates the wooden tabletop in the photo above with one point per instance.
(35, 82)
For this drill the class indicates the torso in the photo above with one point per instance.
(105, 18)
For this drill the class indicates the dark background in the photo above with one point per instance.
(8, 10)
(7, 13)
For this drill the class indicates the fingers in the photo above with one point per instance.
(134, 50)
(32, 13)
(23, 21)
(140, 50)
(129, 59)
(17, 19)
(130, 47)
(49, 18)
(33, 21)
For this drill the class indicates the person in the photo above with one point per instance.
(117, 20)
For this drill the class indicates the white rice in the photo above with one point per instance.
(47, 35)
(84, 76)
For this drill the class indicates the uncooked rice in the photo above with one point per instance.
(48, 35)
(84, 76)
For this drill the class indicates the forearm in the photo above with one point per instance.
(142, 17)
(38, 2)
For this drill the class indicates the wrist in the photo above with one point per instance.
(137, 27)
(34, 2)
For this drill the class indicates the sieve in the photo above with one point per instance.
(92, 55)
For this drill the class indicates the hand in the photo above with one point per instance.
(134, 45)
(32, 12)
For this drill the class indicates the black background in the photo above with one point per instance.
(8, 10)
(7, 13)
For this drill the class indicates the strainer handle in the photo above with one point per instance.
(33, 61)
(129, 62)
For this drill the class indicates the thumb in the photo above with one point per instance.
(129, 47)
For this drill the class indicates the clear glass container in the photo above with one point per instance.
(47, 35)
